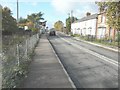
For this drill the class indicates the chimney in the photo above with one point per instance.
(88, 14)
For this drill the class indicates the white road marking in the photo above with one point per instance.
(93, 53)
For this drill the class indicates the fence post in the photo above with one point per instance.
(18, 56)
(26, 48)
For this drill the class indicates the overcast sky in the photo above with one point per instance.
(53, 10)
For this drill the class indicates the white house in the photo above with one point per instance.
(26, 27)
(75, 28)
(85, 26)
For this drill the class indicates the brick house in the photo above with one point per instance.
(103, 30)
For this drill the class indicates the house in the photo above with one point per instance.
(85, 26)
(42, 26)
(103, 30)
(75, 27)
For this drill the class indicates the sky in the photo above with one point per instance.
(53, 10)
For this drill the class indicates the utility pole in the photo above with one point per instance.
(71, 16)
(17, 11)
(67, 29)
(68, 14)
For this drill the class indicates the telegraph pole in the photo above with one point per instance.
(17, 11)
(71, 15)
(67, 29)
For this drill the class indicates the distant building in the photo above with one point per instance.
(85, 26)
(26, 27)
(42, 26)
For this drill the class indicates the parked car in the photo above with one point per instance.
(52, 32)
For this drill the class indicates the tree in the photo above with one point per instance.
(59, 25)
(35, 20)
(9, 24)
(22, 20)
(68, 25)
(69, 20)
(112, 10)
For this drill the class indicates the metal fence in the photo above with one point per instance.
(16, 60)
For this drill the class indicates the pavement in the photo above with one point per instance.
(115, 49)
(46, 71)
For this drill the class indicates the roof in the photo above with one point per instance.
(87, 18)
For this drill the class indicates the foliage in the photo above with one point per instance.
(9, 24)
(30, 24)
(76, 35)
(34, 29)
(22, 20)
(59, 25)
(100, 41)
(13, 74)
(34, 20)
(118, 37)
(70, 20)
(112, 10)
(68, 25)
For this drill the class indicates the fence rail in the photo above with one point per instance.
(15, 61)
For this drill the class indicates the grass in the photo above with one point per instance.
(98, 41)
(21, 71)
(76, 35)
(112, 44)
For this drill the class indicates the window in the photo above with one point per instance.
(102, 19)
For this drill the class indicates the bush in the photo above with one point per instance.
(118, 37)
(75, 35)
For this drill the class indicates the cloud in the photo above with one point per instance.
(79, 8)
(61, 0)
(63, 6)
(25, 0)
(34, 3)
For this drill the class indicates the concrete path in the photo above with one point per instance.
(45, 70)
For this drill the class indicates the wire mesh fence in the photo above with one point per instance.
(15, 61)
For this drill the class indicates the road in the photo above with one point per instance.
(87, 65)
